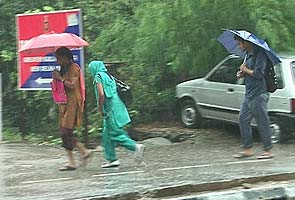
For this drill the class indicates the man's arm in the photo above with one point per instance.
(260, 65)
(245, 70)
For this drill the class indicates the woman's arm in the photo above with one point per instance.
(72, 79)
(71, 83)
(68, 83)
(100, 98)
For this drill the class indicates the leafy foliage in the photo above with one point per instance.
(161, 43)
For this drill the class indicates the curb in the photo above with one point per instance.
(266, 193)
(214, 189)
(214, 186)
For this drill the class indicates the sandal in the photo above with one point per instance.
(67, 168)
(265, 155)
(86, 159)
(243, 155)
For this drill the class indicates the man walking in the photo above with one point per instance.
(255, 100)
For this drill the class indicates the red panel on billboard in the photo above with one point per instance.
(35, 68)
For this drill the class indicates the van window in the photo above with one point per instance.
(293, 69)
(227, 71)
(279, 75)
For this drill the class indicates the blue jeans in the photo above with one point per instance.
(256, 108)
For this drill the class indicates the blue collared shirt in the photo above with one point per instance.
(256, 61)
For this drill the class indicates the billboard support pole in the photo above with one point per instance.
(1, 107)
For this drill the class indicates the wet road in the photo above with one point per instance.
(30, 172)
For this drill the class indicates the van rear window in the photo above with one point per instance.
(279, 74)
(293, 69)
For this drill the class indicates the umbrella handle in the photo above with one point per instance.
(242, 64)
(244, 59)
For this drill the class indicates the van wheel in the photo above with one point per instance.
(189, 114)
(280, 130)
(276, 130)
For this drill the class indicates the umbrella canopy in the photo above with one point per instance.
(49, 42)
(229, 43)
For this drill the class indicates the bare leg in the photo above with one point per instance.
(85, 154)
(70, 158)
(82, 149)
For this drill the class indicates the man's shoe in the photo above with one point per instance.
(115, 163)
(265, 155)
(67, 168)
(139, 151)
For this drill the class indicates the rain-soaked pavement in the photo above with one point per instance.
(200, 164)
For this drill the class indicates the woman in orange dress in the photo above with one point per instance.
(70, 114)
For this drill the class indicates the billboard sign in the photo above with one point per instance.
(35, 68)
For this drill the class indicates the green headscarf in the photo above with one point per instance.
(99, 71)
(96, 66)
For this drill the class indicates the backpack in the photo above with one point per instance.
(270, 78)
(123, 90)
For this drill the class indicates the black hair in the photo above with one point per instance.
(64, 51)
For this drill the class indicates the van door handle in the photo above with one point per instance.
(230, 90)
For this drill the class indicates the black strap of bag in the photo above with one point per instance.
(270, 76)
(123, 90)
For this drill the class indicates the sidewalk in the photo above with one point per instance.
(196, 166)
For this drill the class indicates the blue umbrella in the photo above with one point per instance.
(229, 43)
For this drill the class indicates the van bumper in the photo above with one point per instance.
(287, 120)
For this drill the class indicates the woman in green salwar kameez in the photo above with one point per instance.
(115, 116)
